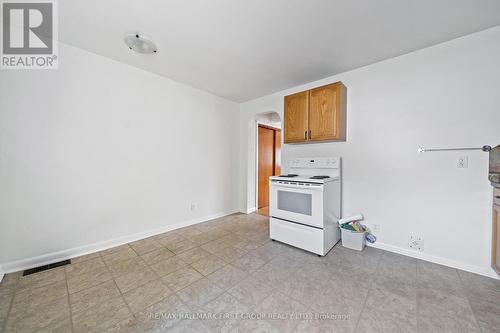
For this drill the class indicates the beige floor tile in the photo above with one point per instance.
(32, 298)
(124, 253)
(148, 294)
(247, 245)
(80, 279)
(63, 326)
(227, 277)
(144, 246)
(181, 246)
(443, 323)
(398, 284)
(250, 291)
(385, 300)
(88, 280)
(230, 239)
(10, 280)
(129, 325)
(202, 238)
(343, 315)
(90, 297)
(373, 320)
(163, 315)
(168, 266)
(269, 251)
(85, 258)
(230, 310)
(253, 325)
(300, 289)
(323, 325)
(283, 279)
(158, 255)
(181, 278)
(277, 303)
(6, 297)
(190, 232)
(100, 317)
(214, 246)
(41, 279)
(258, 236)
(115, 249)
(249, 262)
(169, 237)
(273, 273)
(199, 293)
(432, 301)
(479, 282)
(208, 264)
(189, 326)
(193, 255)
(486, 311)
(33, 319)
(122, 267)
(230, 254)
(84, 267)
(206, 226)
(135, 279)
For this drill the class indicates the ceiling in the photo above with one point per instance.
(243, 49)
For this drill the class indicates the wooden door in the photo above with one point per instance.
(266, 164)
(495, 249)
(296, 117)
(277, 152)
(326, 112)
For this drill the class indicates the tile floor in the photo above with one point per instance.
(220, 275)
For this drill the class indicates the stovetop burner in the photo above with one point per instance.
(319, 177)
(290, 175)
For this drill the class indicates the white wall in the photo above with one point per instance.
(99, 150)
(443, 96)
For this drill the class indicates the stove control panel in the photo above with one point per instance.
(315, 163)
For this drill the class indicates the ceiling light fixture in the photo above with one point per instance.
(140, 44)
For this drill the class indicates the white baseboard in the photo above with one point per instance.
(251, 210)
(48, 258)
(485, 271)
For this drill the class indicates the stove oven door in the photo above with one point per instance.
(297, 202)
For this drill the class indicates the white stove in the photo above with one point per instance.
(317, 179)
(305, 204)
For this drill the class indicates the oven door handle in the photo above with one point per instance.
(315, 187)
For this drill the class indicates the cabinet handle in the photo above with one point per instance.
(305, 135)
(498, 196)
(310, 134)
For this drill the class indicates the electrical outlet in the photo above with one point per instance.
(463, 162)
(376, 228)
(193, 207)
(416, 243)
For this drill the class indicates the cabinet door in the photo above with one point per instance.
(327, 113)
(495, 251)
(296, 117)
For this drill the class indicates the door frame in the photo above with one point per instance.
(261, 124)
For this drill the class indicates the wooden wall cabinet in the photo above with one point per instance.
(316, 115)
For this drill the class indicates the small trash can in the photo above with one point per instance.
(353, 240)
